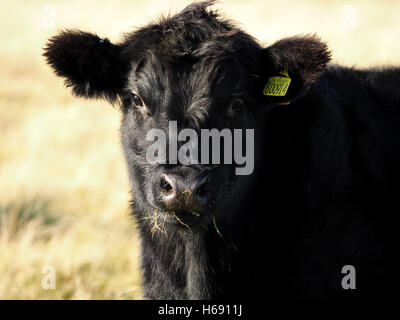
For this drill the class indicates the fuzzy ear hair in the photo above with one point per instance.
(303, 57)
(92, 66)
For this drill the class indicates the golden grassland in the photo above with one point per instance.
(63, 182)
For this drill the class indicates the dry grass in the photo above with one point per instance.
(63, 183)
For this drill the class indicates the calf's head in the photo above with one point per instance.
(192, 71)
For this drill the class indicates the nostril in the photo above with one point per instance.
(167, 185)
(200, 188)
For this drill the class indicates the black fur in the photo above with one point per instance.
(324, 190)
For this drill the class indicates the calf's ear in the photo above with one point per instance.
(292, 65)
(91, 66)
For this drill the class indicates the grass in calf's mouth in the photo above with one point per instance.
(215, 226)
(180, 221)
(156, 226)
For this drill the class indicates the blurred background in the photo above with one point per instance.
(63, 182)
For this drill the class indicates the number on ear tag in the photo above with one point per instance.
(278, 85)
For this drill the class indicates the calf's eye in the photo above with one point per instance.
(236, 104)
(137, 100)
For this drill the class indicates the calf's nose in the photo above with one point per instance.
(179, 194)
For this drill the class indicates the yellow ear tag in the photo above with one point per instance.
(278, 85)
